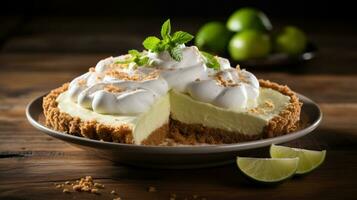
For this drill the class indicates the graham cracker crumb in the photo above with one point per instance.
(269, 104)
(98, 185)
(118, 198)
(66, 191)
(113, 192)
(82, 82)
(133, 77)
(85, 189)
(226, 83)
(86, 184)
(77, 188)
(266, 107)
(113, 89)
(94, 190)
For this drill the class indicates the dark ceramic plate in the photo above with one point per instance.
(176, 156)
(279, 59)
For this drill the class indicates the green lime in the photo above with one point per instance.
(308, 160)
(268, 170)
(249, 44)
(213, 37)
(290, 40)
(248, 18)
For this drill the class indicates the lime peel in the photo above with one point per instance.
(268, 170)
(308, 159)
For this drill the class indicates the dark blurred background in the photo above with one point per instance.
(184, 8)
(109, 27)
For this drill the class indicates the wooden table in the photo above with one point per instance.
(40, 54)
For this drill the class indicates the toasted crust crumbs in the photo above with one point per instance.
(266, 107)
(222, 81)
(133, 77)
(113, 89)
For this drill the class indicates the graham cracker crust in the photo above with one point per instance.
(195, 133)
(284, 123)
(158, 136)
(287, 120)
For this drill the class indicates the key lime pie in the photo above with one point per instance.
(171, 92)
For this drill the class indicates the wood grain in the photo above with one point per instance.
(30, 161)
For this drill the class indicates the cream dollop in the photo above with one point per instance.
(230, 88)
(133, 97)
(107, 93)
(179, 74)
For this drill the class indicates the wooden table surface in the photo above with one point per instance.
(38, 55)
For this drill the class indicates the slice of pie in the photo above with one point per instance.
(171, 92)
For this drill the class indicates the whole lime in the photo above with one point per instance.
(213, 37)
(290, 40)
(249, 44)
(248, 18)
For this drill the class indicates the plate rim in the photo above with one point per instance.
(204, 149)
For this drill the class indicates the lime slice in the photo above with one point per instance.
(268, 170)
(308, 159)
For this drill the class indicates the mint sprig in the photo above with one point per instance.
(210, 60)
(170, 43)
(137, 57)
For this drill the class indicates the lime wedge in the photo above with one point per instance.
(308, 159)
(268, 170)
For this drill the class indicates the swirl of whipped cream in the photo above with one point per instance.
(111, 89)
(180, 74)
(231, 88)
(122, 97)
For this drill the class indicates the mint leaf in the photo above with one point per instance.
(210, 60)
(142, 61)
(134, 53)
(176, 53)
(137, 57)
(181, 37)
(166, 29)
(124, 61)
(151, 43)
(169, 43)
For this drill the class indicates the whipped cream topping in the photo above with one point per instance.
(127, 89)
(230, 88)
